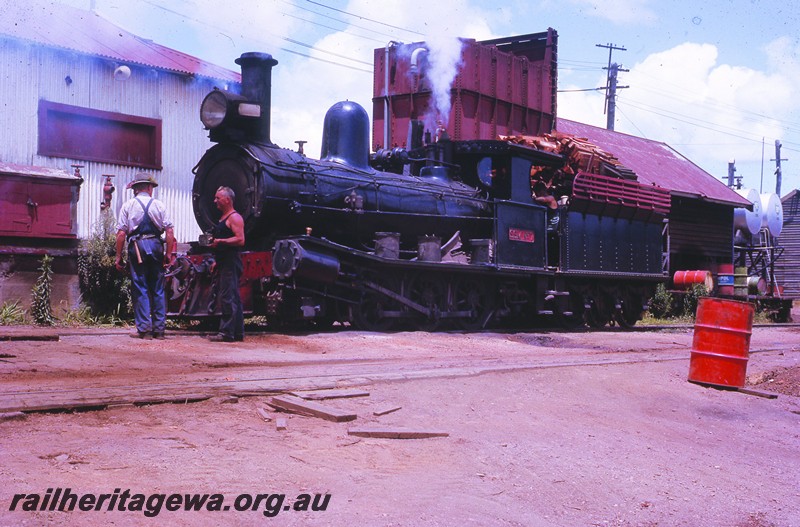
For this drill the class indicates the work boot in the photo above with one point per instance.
(158, 336)
(140, 335)
(221, 338)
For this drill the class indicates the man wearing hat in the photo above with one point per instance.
(142, 220)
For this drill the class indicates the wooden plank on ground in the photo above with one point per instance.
(31, 336)
(757, 393)
(394, 433)
(9, 416)
(36, 402)
(280, 424)
(103, 396)
(386, 410)
(295, 404)
(341, 393)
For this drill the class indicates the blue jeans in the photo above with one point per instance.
(231, 323)
(147, 287)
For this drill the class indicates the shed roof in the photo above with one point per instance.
(657, 163)
(59, 26)
(14, 169)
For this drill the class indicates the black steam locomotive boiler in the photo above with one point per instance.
(439, 234)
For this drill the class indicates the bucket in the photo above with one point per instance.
(756, 285)
(686, 279)
(740, 282)
(480, 251)
(725, 279)
(429, 248)
(721, 342)
(387, 245)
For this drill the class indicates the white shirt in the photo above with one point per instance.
(132, 213)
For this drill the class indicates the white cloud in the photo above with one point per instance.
(710, 112)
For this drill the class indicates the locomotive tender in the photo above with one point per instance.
(439, 234)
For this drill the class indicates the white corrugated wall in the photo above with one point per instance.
(29, 73)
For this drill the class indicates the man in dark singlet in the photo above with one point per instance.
(142, 220)
(227, 241)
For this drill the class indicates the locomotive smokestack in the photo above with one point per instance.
(257, 86)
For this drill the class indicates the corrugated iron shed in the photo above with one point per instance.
(657, 163)
(787, 268)
(64, 27)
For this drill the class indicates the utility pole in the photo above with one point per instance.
(778, 172)
(731, 172)
(610, 106)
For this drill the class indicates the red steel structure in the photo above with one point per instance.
(504, 86)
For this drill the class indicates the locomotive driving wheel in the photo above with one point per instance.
(599, 313)
(472, 294)
(429, 292)
(576, 319)
(368, 313)
(630, 311)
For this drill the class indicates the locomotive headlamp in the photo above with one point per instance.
(221, 106)
(213, 109)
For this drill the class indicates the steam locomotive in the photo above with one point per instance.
(438, 234)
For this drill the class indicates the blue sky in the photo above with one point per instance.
(717, 80)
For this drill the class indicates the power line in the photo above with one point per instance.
(388, 36)
(682, 89)
(645, 106)
(573, 68)
(324, 51)
(562, 60)
(326, 61)
(364, 18)
(283, 38)
(602, 88)
(336, 29)
(665, 113)
(741, 113)
(642, 134)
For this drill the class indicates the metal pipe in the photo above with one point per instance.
(415, 59)
(386, 95)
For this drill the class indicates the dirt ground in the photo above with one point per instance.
(544, 429)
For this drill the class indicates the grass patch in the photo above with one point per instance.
(11, 313)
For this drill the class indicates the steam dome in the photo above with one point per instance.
(345, 135)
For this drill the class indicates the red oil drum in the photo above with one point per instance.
(721, 342)
(725, 279)
(686, 279)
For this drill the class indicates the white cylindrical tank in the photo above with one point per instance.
(772, 213)
(749, 221)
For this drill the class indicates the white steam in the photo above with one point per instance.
(444, 60)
